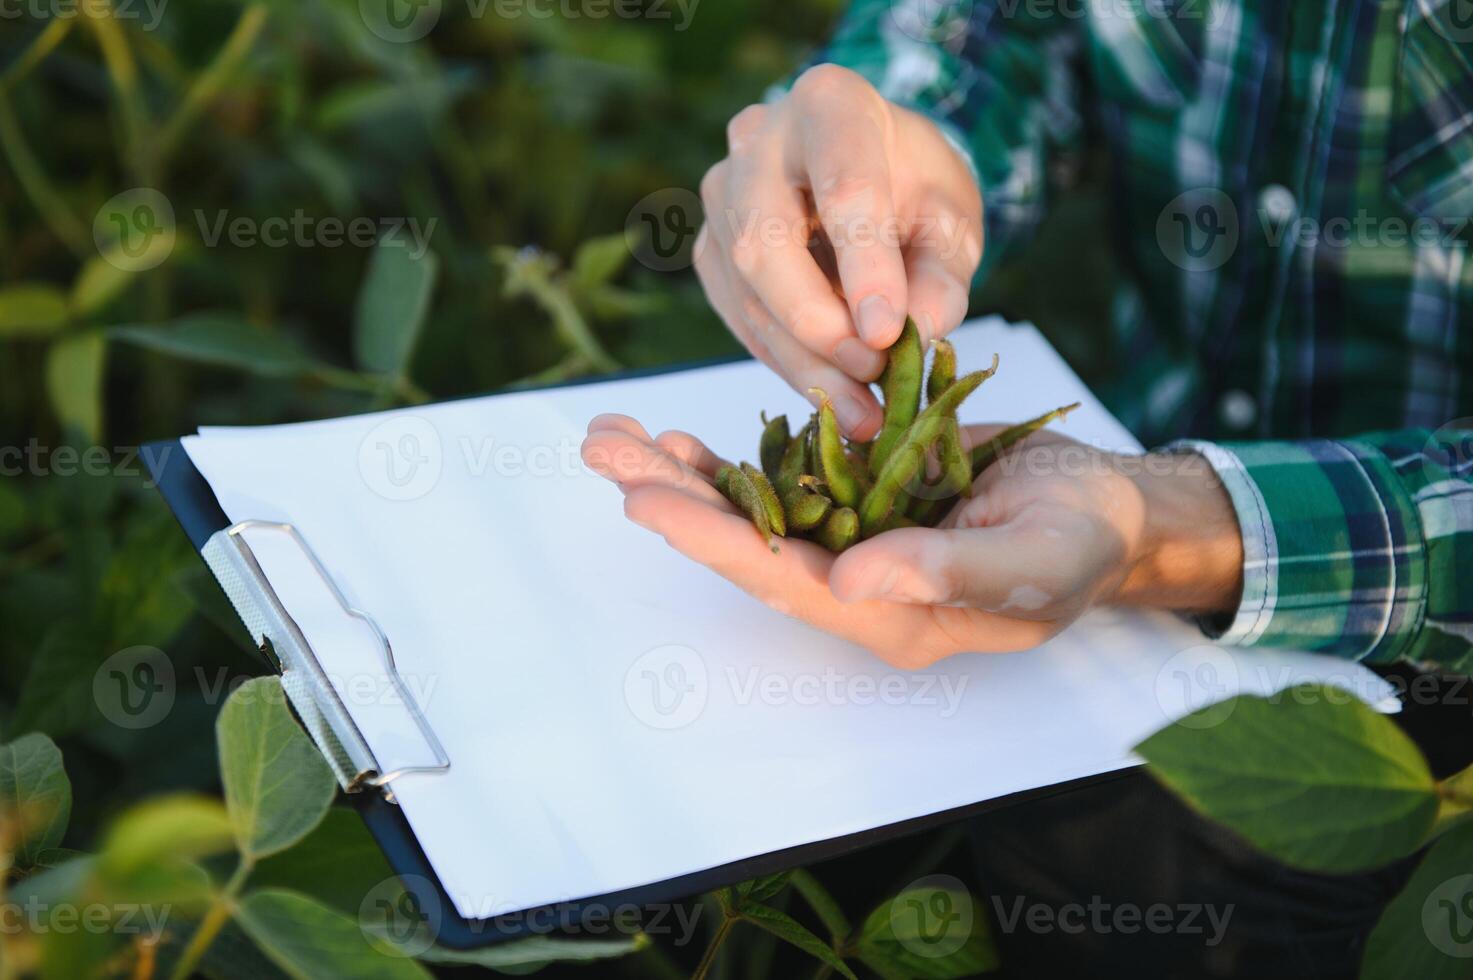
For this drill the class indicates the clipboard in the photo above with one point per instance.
(369, 785)
(370, 790)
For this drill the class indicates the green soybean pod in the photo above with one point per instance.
(768, 496)
(895, 521)
(736, 487)
(900, 388)
(943, 369)
(795, 460)
(955, 479)
(985, 455)
(831, 462)
(839, 530)
(956, 464)
(909, 455)
(774, 444)
(805, 508)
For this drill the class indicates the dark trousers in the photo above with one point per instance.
(1119, 878)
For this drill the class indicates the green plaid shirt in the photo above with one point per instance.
(1292, 188)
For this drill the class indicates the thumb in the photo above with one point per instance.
(987, 568)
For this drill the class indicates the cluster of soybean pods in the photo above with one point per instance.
(821, 487)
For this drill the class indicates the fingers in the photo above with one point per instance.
(633, 461)
(613, 422)
(747, 317)
(691, 451)
(760, 220)
(941, 258)
(841, 150)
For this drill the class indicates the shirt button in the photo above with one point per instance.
(1276, 203)
(1237, 409)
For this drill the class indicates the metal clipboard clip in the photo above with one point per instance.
(307, 684)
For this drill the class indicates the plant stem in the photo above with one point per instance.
(123, 71)
(33, 180)
(704, 967)
(823, 903)
(45, 42)
(242, 37)
(212, 923)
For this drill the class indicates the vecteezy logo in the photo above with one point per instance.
(400, 21)
(1193, 688)
(661, 229)
(401, 915)
(134, 230)
(1198, 230)
(1454, 21)
(666, 687)
(932, 917)
(1447, 455)
(134, 688)
(1447, 916)
(932, 21)
(401, 458)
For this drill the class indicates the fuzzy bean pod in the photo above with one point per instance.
(900, 386)
(943, 369)
(795, 460)
(735, 485)
(805, 508)
(909, 455)
(839, 530)
(831, 462)
(985, 455)
(768, 496)
(773, 445)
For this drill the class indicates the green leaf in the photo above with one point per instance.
(338, 863)
(99, 283)
(1312, 776)
(1427, 930)
(822, 903)
(392, 306)
(224, 340)
(309, 940)
(167, 829)
(598, 260)
(149, 853)
(761, 889)
(928, 933)
(789, 930)
(32, 309)
(74, 369)
(35, 796)
(56, 696)
(277, 786)
(1456, 800)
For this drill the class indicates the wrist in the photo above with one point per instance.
(1190, 554)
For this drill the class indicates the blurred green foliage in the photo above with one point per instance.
(493, 132)
(517, 145)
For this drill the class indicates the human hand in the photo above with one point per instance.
(900, 218)
(1054, 528)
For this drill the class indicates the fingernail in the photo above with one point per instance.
(875, 582)
(850, 413)
(859, 361)
(876, 318)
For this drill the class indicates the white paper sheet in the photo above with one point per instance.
(617, 715)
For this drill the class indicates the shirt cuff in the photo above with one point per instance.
(1260, 548)
(1333, 558)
